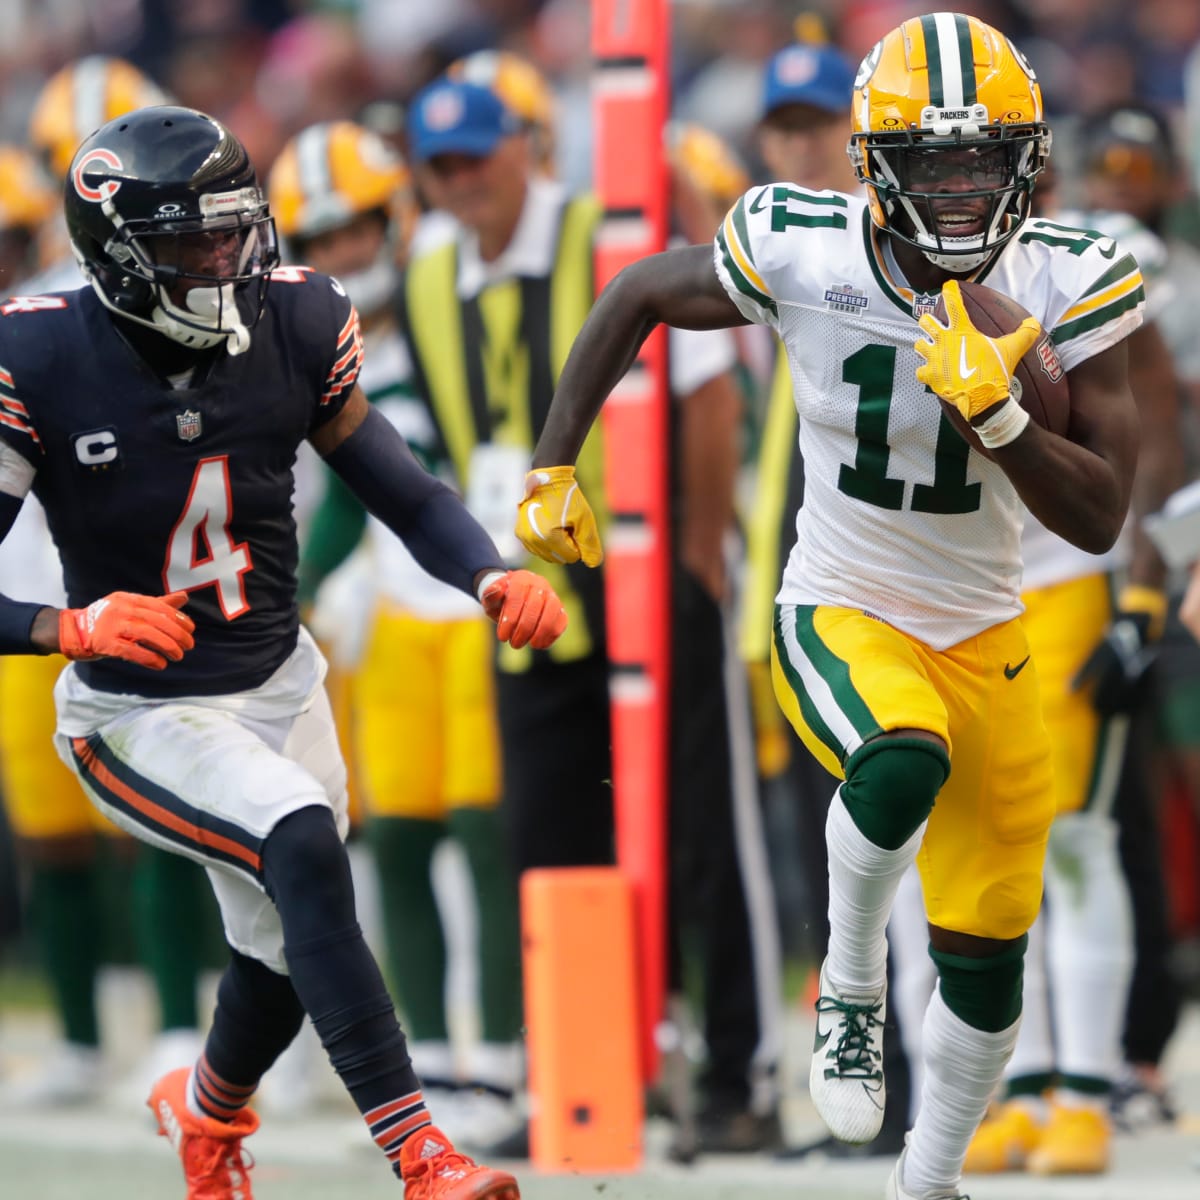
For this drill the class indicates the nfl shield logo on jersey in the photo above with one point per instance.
(189, 425)
(925, 302)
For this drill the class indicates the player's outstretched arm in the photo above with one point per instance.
(678, 287)
(366, 450)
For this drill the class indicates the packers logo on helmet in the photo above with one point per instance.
(327, 176)
(948, 137)
(78, 99)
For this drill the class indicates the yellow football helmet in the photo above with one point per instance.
(522, 89)
(80, 97)
(708, 163)
(27, 198)
(327, 175)
(944, 98)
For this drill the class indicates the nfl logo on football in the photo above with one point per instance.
(188, 425)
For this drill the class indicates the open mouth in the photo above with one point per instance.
(959, 223)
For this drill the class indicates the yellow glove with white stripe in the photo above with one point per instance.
(973, 371)
(555, 521)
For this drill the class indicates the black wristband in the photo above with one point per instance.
(16, 626)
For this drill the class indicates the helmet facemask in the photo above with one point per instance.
(197, 281)
(916, 177)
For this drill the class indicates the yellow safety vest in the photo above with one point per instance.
(778, 492)
(487, 368)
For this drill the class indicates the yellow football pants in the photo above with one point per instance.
(426, 737)
(42, 798)
(1064, 623)
(844, 678)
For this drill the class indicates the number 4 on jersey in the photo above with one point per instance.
(201, 553)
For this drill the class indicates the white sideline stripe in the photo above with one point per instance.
(819, 692)
(757, 886)
(621, 81)
(1108, 776)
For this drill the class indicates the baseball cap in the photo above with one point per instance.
(454, 117)
(820, 76)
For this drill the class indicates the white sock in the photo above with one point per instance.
(863, 879)
(913, 974)
(1090, 943)
(962, 1068)
(1034, 1052)
(496, 1064)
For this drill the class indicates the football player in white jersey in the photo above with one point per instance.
(898, 650)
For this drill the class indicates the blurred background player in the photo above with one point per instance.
(78, 98)
(1129, 163)
(55, 826)
(510, 290)
(167, 891)
(422, 718)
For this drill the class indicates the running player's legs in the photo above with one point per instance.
(857, 689)
(856, 692)
(263, 804)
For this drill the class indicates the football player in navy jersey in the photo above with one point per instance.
(156, 415)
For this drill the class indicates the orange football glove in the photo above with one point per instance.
(526, 609)
(147, 630)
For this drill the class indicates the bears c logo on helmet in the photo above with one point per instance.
(109, 187)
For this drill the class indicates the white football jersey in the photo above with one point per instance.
(900, 518)
(1050, 559)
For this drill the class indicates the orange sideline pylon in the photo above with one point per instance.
(582, 1019)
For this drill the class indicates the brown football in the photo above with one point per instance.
(1039, 383)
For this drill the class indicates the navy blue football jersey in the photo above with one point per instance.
(154, 489)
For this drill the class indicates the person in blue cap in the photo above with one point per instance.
(803, 129)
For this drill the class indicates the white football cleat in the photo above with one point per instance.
(846, 1077)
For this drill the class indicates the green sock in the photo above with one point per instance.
(482, 837)
(412, 926)
(115, 859)
(169, 911)
(62, 903)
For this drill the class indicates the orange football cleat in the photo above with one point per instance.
(215, 1166)
(433, 1170)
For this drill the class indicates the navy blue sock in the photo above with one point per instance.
(336, 977)
(256, 1018)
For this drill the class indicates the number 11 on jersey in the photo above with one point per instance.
(201, 552)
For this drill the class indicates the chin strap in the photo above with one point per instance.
(206, 305)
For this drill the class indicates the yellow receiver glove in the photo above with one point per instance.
(965, 367)
(555, 521)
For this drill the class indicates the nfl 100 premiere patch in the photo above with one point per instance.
(844, 297)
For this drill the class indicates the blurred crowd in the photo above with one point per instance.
(273, 70)
(270, 67)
